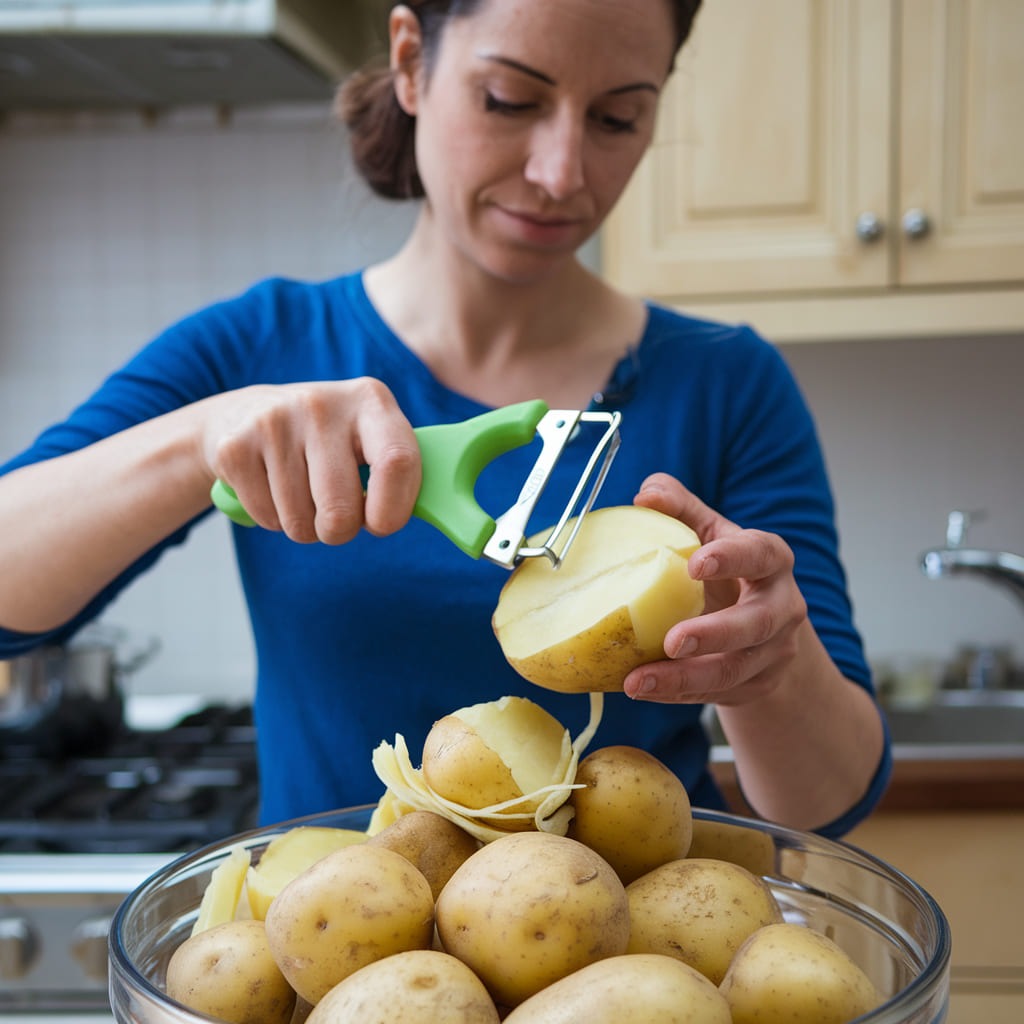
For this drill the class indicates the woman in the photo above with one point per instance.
(520, 121)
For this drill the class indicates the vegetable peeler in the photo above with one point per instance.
(455, 454)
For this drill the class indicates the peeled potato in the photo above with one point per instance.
(787, 973)
(223, 892)
(584, 626)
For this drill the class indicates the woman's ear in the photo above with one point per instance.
(406, 56)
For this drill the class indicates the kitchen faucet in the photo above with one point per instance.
(1001, 567)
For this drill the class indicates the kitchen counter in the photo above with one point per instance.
(941, 777)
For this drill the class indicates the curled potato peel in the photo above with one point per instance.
(549, 811)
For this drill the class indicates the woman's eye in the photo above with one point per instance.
(494, 105)
(615, 124)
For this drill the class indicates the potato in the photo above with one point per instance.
(738, 844)
(352, 907)
(787, 973)
(699, 911)
(222, 895)
(509, 750)
(228, 972)
(651, 988)
(418, 987)
(635, 811)
(496, 751)
(289, 854)
(433, 844)
(530, 908)
(584, 626)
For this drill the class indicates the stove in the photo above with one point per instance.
(77, 836)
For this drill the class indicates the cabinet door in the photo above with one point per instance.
(773, 138)
(986, 996)
(962, 140)
(970, 863)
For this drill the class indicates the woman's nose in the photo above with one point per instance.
(555, 163)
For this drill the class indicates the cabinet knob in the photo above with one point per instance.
(869, 227)
(916, 224)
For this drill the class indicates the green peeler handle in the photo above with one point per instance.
(454, 455)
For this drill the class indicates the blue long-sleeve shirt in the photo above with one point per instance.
(385, 635)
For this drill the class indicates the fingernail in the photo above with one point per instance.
(707, 567)
(685, 647)
(647, 686)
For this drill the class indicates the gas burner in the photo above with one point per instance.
(147, 792)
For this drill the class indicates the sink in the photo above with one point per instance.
(967, 724)
(978, 718)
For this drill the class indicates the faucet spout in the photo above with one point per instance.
(999, 567)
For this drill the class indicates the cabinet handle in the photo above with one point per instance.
(916, 224)
(869, 227)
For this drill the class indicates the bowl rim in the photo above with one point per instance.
(912, 997)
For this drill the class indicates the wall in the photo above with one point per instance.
(111, 227)
(912, 429)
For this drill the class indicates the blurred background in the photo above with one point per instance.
(860, 203)
(114, 225)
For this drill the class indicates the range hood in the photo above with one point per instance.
(80, 54)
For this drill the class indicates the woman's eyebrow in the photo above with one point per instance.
(525, 69)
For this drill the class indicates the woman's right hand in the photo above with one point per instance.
(292, 453)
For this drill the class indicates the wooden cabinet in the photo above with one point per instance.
(970, 862)
(832, 168)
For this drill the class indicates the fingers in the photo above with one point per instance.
(376, 435)
(666, 494)
(705, 681)
(293, 453)
(741, 646)
(389, 448)
(729, 656)
(742, 554)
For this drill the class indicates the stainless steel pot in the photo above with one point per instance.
(68, 699)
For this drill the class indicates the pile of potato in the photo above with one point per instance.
(634, 911)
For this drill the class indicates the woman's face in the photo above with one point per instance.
(532, 119)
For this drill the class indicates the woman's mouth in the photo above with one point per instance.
(540, 229)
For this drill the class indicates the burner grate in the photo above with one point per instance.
(172, 790)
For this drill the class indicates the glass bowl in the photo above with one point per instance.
(883, 919)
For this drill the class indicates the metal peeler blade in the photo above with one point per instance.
(507, 544)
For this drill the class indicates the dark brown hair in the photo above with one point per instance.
(382, 134)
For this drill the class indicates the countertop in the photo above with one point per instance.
(925, 778)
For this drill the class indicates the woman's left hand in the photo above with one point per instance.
(740, 648)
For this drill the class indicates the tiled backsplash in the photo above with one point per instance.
(112, 227)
